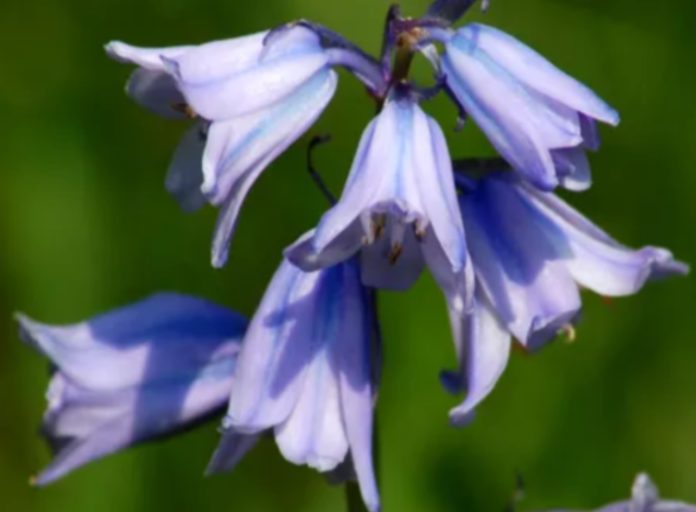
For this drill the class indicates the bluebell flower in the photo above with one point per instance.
(645, 498)
(538, 118)
(531, 254)
(252, 96)
(307, 371)
(398, 209)
(133, 374)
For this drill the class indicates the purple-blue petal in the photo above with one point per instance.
(483, 348)
(517, 267)
(139, 372)
(305, 371)
(537, 73)
(594, 259)
(238, 151)
(400, 187)
(225, 79)
(185, 174)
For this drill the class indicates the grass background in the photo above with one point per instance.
(85, 226)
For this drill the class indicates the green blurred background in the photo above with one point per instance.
(85, 226)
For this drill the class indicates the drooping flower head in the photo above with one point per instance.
(253, 97)
(531, 253)
(307, 371)
(399, 207)
(133, 374)
(540, 119)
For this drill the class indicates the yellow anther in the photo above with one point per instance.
(569, 332)
(185, 108)
(419, 231)
(379, 223)
(395, 253)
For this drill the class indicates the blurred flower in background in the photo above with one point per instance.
(645, 498)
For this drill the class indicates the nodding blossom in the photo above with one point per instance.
(137, 373)
(399, 207)
(307, 371)
(540, 119)
(532, 253)
(645, 498)
(252, 97)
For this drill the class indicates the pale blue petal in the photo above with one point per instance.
(148, 58)
(305, 371)
(238, 151)
(355, 358)
(376, 145)
(185, 174)
(155, 339)
(151, 86)
(314, 433)
(573, 168)
(537, 73)
(594, 259)
(276, 352)
(381, 271)
(140, 372)
(590, 133)
(87, 425)
(510, 124)
(343, 247)
(226, 79)
(483, 349)
(248, 143)
(518, 269)
(230, 451)
(157, 92)
(440, 196)
(400, 187)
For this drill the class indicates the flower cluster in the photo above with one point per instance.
(509, 255)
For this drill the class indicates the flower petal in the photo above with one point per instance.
(301, 253)
(185, 174)
(152, 340)
(276, 352)
(440, 200)
(517, 268)
(483, 349)
(157, 92)
(510, 125)
(395, 205)
(239, 151)
(231, 449)
(314, 434)
(148, 58)
(537, 73)
(594, 259)
(573, 168)
(226, 79)
(140, 372)
(90, 425)
(305, 369)
(356, 359)
(380, 270)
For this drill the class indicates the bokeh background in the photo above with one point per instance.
(85, 226)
